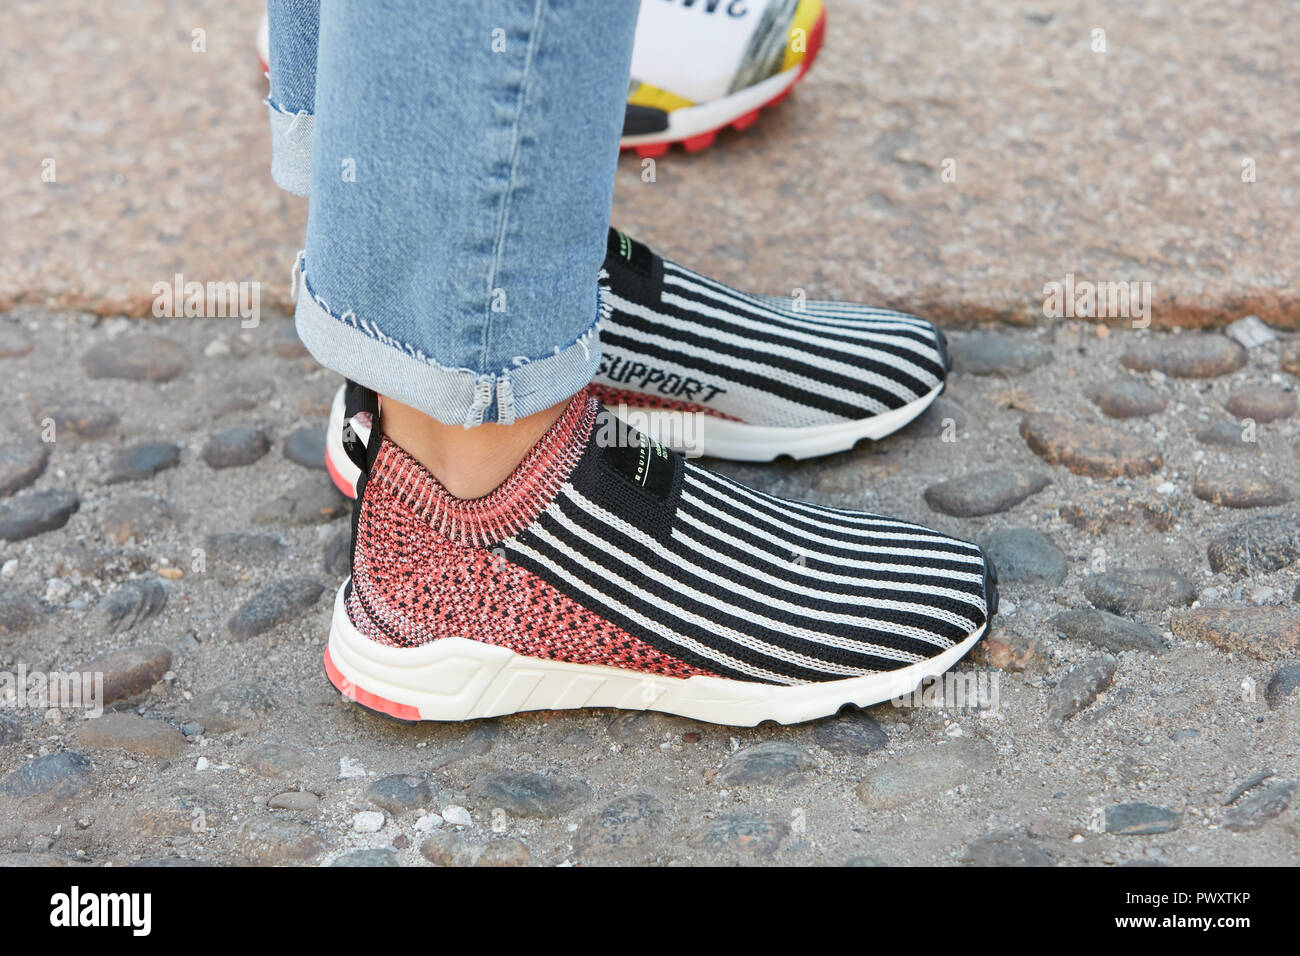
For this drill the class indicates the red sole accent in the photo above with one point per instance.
(342, 484)
(706, 139)
(366, 699)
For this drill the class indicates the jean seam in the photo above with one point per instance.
(504, 215)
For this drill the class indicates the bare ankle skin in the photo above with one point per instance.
(469, 462)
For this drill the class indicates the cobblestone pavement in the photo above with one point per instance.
(166, 521)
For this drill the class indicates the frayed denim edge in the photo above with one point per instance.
(454, 396)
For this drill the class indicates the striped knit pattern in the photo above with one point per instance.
(643, 560)
(674, 335)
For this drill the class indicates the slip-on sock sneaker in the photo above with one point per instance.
(609, 571)
(711, 371)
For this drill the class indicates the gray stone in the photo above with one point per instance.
(311, 501)
(773, 762)
(130, 670)
(274, 605)
(228, 550)
(35, 512)
(925, 773)
(13, 344)
(137, 517)
(376, 857)
(622, 830)
(527, 794)
(1129, 399)
(236, 447)
(237, 705)
(1266, 633)
(276, 759)
(137, 462)
(1081, 686)
(1128, 590)
(984, 492)
(1141, 819)
(1283, 684)
(11, 731)
(1262, 404)
(1235, 489)
(1230, 435)
(851, 732)
(864, 859)
(277, 841)
(338, 554)
(1096, 451)
(132, 733)
(503, 851)
(1250, 332)
(1186, 356)
(399, 793)
(85, 418)
(1107, 631)
(61, 775)
(138, 358)
(1259, 809)
(741, 834)
(943, 419)
(301, 800)
(1257, 545)
(1025, 556)
(991, 353)
(133, 603)
(18, 613)
(1007, 848)
(306, 447)
(21, 463)
(448, 848)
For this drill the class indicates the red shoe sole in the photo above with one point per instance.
(351, 691)
(693, 144)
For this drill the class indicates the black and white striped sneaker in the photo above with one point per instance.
(763, 376)
(608, 571)
(711, 371)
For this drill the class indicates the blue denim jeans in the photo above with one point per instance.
(460, 163)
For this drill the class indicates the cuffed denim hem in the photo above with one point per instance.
(361, 351)
(291, 135)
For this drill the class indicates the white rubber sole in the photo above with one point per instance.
(695, 433)
(690, 433)
(458, 679)
(690, 121)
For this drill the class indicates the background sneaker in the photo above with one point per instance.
(608, 571)
(701, 67)
(698, 68)
(707, 370)
(712, 370)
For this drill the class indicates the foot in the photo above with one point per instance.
(608, 571)
(699, 69)
(711, 371)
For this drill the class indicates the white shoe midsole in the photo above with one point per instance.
(453, 678)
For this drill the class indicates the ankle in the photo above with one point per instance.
(468, 462)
